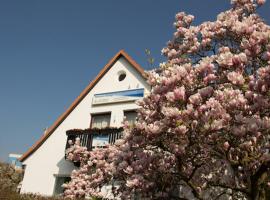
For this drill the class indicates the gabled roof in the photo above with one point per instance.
(106, 68)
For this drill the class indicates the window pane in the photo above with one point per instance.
(100, 141)
(100, 121)
(130, 116)
(59, 181)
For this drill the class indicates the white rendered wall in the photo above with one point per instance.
(48, 160)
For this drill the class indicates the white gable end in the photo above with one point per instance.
(48, 160)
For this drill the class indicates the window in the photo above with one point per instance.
(130, 116)
(100, 120)
(121, 75)
(59, 181)
(100, 141)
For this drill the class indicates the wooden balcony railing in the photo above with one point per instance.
(86, 136)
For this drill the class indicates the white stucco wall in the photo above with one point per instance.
(48, 160)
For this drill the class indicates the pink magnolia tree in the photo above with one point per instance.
(203, 132)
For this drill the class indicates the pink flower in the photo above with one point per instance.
(268, 184)
(181, 129)
(217, 124)
(179, 93)
(260, 2)
(236, 78)
(209, 78)
(226, 145)
(206, 92)
(171, 112)
(172, 53)
(170, 96)
(195, 99)
(266, 55)
(70, 142)
(239, 59)
(225, 59)
(153, 128)
(128, 170)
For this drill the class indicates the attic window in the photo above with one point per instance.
(121, 75)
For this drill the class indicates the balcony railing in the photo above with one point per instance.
(87, 135)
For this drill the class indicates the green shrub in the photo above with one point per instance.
(9, 177)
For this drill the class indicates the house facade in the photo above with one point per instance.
(104, 103)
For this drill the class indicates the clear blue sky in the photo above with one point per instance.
(50, 50)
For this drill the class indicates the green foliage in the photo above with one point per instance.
(150, 59)
(9, 177)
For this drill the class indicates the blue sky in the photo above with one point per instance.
(50, 50)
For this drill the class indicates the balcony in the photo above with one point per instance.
(94, 138)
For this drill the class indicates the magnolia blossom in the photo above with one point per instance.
(236, 78)
(195, 99)
(179, 93)
(226, 145)
(260, 2)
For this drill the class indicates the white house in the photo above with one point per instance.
(104, 102)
